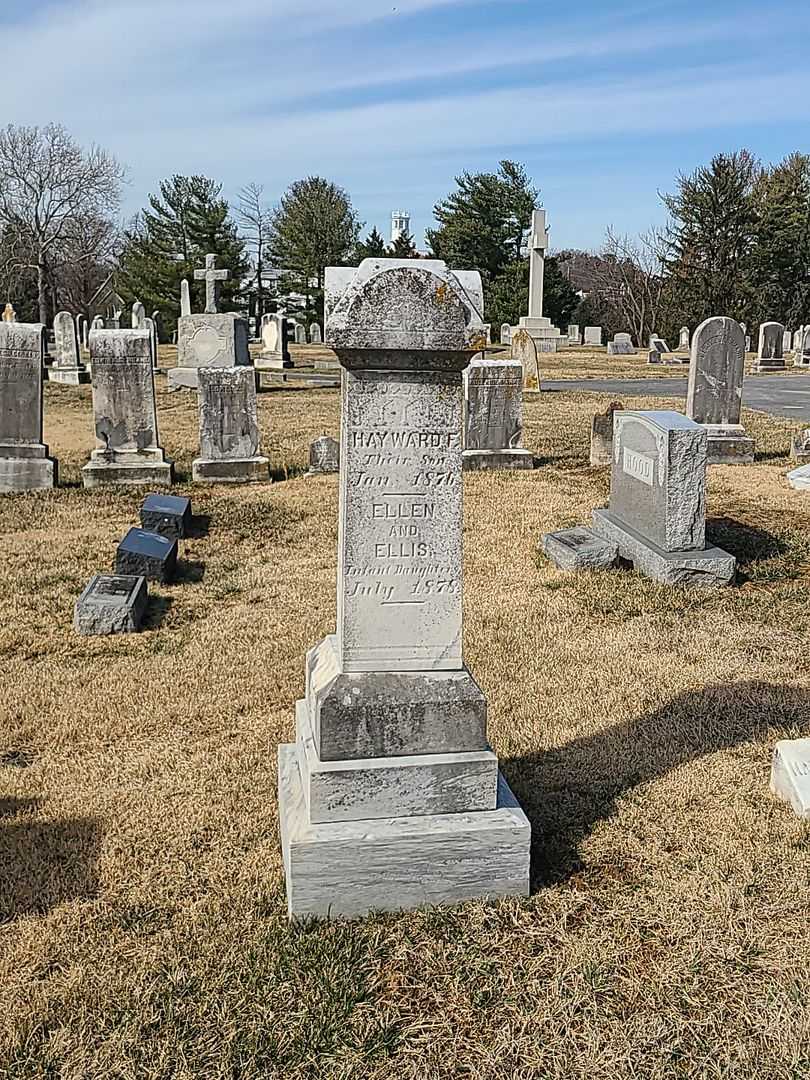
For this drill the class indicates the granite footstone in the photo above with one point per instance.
(579, 549)
(146, 554)
(167, 515)
(111, 604)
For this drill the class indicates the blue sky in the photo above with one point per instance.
(604, 101)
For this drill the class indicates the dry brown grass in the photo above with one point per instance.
(144, 931)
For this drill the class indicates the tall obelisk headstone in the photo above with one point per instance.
(125, 412)
(391, 797)
(714, 398)
(24, 461)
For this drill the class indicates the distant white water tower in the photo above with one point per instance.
(400, 225)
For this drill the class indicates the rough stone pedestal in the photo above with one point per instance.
(729, 445)
(391, 796)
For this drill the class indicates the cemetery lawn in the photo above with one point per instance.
(143, 929)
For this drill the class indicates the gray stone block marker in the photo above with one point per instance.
(229, 428)
(771, 353)
(324, 456)
(275, 354)
(67, 367)
(111, 604)
(146, 554)
(168, 515)
(579, 549)
(125, 413)
(790, 774)
(493, 416)
(391, 797)
(24, 461)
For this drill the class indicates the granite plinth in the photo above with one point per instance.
(145, 472)
(272, 363)
(704, 568)
(579, 549)
(729, 445)
(148, 555)
(168, 515)
(391, 713)
(111, 604)
(479, 460)
(790, 774)
(351, 868)
(68, 376)
(20, 474)
(361, 789)
(252, 470)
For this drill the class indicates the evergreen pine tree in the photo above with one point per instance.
(711, 238)
(314, 226)
(403, 247)
(373, 247)
(781, 260)
(169, 241)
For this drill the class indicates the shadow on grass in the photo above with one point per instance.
(44, 864)
(200, 527)
(156, 611)
(746, 542)
(189, 572)
(566, 791)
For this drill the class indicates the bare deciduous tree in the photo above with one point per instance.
(48, 183)
(254, 221)
(629, 277)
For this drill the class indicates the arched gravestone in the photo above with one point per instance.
(391, 798)
(493, 416)
(124, 411)
(275, 352)
(67, 366)
(229, 428)
(771, 354)
(24, 461)
(714, 396)
(524, 351)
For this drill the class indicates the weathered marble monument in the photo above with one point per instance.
(493, 416)
(546, 337)
(24, 461)
(622, 345)
(602, 435)
(67, 367)
(524, 352)
(211, 339)
(714, 397)
(229, 428)
(656, 521)
(391, 797)
(124, 411)
(771, 352)
(275, 354)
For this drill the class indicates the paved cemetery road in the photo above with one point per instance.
(779, 395)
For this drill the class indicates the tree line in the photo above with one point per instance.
(737, 242)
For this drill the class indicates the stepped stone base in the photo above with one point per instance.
(764, 366)
(102, 474)
(68, 376)
(233, 471)
(350, 868)
(729, 445)
(477, 460)
(272, 363)
(19, 474)
(700, 569)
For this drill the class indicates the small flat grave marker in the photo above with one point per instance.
(148, 555)
(790, 774)
(111, 604)
(168, 515)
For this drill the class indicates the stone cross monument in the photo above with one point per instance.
(538, 246)
(391, 797)
(212, 277)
